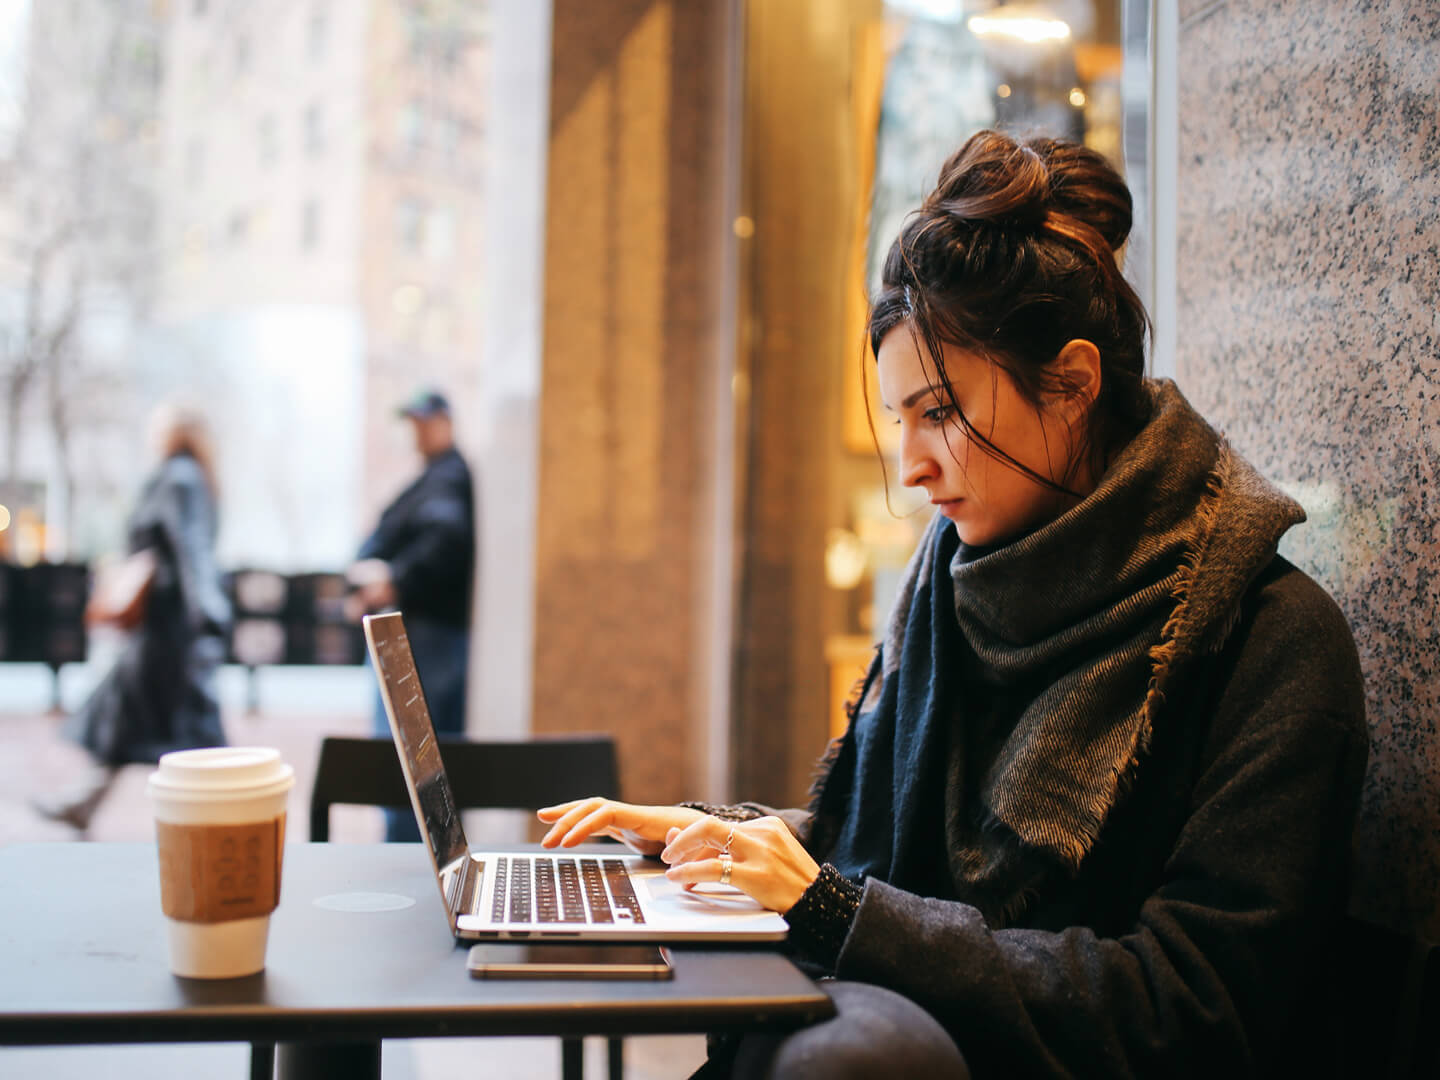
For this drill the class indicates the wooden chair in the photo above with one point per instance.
(523, 775)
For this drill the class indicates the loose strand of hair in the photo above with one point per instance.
(934, 345)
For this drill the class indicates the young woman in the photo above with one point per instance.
(161, 695)
(1092, 813)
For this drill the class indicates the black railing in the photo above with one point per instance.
(289, 619)
(279, 619)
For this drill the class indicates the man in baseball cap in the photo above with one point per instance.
(425, 403)
(421, 560)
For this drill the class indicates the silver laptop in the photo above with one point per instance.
(537, 894)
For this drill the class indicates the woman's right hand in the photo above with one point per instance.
(641, 828)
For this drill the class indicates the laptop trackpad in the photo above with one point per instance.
(671, 899)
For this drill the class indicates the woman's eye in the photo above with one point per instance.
(938, 414)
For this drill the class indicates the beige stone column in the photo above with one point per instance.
(635, 325)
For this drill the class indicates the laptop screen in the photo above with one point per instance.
(415, 735)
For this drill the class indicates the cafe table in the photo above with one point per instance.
(360, 951)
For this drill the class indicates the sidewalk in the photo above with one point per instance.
(298, 706)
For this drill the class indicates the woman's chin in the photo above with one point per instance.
(977, 535)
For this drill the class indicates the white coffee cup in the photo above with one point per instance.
(220, 833)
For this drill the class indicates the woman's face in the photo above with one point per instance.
(988, 499)
(160, 431)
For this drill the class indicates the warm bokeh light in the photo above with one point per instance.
(4, 518)
(1031, 30)
(845, 559)
(1077, 98)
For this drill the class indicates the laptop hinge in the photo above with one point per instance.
(468, 894)
(452, 881)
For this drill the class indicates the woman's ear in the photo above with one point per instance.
(1077, 371)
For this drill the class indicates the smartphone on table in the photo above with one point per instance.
(549, 961)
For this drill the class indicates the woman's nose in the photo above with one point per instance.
(916, 463)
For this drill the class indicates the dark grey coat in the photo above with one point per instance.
(1192, 938)
(161, 693)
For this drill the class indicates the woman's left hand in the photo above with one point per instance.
(766, 861)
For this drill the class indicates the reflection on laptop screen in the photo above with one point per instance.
(400, 684)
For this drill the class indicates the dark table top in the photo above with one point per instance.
(360, 949)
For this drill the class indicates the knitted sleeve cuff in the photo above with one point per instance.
(725, 813)
(821, 919)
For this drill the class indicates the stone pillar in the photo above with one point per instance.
(635, 324)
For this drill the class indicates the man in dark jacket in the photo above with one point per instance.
(421, 560)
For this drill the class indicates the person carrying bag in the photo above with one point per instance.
(161, 694)
(121, 590)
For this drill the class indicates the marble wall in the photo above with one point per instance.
(1309, 219)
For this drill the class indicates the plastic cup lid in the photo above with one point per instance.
(218, 770)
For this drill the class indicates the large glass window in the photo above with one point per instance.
(186, 212)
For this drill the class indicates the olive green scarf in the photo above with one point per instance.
(1069, 636)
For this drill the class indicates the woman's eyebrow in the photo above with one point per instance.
(918, 394)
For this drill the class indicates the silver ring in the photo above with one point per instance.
(726, 865)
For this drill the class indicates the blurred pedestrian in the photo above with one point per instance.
(161, 693)
(421, 560)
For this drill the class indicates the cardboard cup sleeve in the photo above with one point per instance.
(215, 873)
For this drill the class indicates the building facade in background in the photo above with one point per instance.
(310, 172)
(78, 261)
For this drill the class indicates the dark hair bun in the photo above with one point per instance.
(995, 180)
(1086, 187)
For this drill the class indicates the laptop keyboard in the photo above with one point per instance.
(579, 890)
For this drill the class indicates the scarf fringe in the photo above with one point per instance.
(1162, 655)
(1002, 907)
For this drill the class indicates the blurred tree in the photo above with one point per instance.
(78, 238)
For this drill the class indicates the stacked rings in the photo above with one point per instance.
(726, 865)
